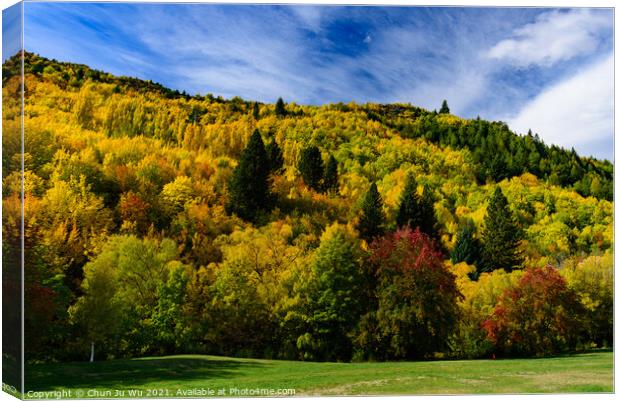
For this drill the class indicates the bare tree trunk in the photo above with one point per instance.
(92, 351)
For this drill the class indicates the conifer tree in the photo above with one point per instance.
(444, 108)
(467, 247)
(274, 154)
(330, 181)
(255, 111)
(249, 186)
(428, 224)
(501, 236)
(370, 224)
(409, 213)
(280, 108)
(311, 167)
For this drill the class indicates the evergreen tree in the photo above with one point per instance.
(255, 111)
(467, 247)
(409, 213)
(249, 186)
(280, 108)
(428, 224)
(444, 108)
(370, 224)
(330, 181)
(311, 167)
(501, 236)
(274, 154)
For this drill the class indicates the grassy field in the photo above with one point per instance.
(183, 375)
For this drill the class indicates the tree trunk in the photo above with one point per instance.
(92, 351)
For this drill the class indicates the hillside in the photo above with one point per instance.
(141, 192)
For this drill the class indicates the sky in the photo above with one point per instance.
(550, 70)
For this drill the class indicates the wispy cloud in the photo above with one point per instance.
(554, 37)
(577, 112)
(487, 62)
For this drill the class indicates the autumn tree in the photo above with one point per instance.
(501, 236)
(311, 167)
(249, 186)
(416, 297)
(372, 218)
(539, 316)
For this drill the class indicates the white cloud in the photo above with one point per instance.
(555, 36)
(576, 112)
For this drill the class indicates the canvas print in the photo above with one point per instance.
(219, 200)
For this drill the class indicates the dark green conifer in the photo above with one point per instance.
(280, 108)
(467, 247)
(311, 167)
(501, 236)
(370, 224)
(255, 111)
(409, 213)
(274, 154)
(330, 181)
(249, 186)
(444, 108)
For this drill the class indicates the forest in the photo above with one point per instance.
(159, 223)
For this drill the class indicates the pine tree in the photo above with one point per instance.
(409, 213)
(249, 186)
(428, 224)
(280, 108)
(370, 224)
(501, 236)
(444, 108)
(467, 247)
(255, 111)
(274, 154)
(311, 167)
(330, 181)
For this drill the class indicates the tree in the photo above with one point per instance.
(274, 154)
(428, 224)
(416, 297)
(331, 299)
(311, 167)
(467, 247)
(249, 186)
(280, 108)
(444, 108)
(330, 181)
(255, 111)
(370, 224)
(540, 316)
(409, 211)
(501, 236)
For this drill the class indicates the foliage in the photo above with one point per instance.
(311, 167)
(416, 297)
(370, 224)
(540, 316)
(330, 180)
(501, 236)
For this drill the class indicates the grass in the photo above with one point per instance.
(588, 372)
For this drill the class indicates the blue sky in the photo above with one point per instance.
(546, 69)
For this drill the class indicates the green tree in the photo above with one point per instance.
(501, 236)
(332, 300)
(429, 224)
(467, 247)
(280, 108)
(311, 167)
(330, 181)
(255, 111)
(274, 153)
(409, 211)
(444, 108)
(370, 224)
(249, 186)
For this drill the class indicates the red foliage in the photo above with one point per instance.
(539, 316)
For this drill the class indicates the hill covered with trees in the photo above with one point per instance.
(158, 222)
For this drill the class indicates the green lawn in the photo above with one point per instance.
(591, 372)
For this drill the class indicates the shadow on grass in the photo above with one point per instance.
(133, 372)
